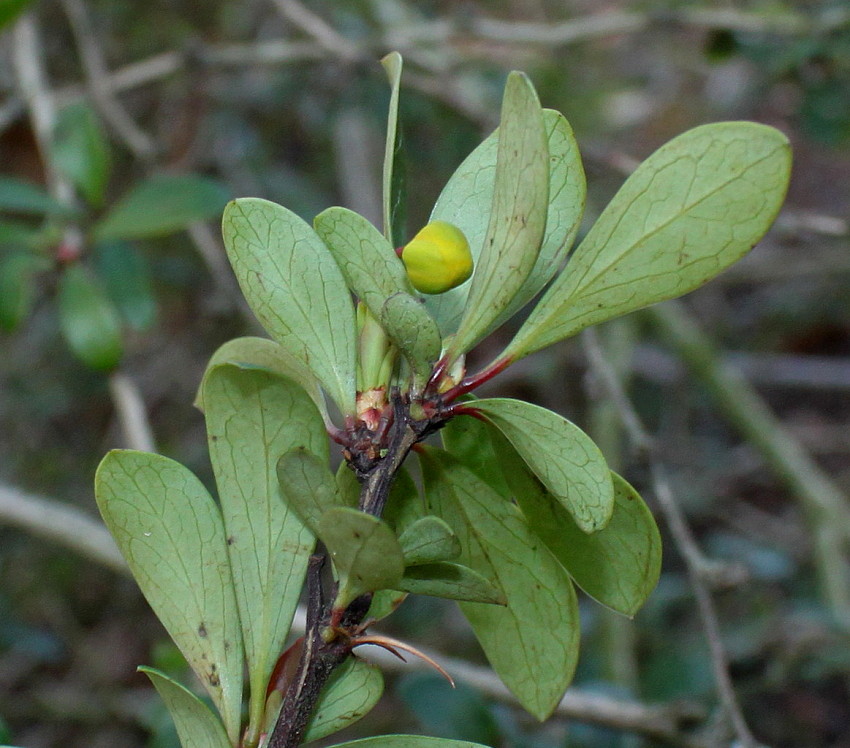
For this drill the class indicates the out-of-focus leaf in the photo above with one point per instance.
(296, 289)
(253, 417)
(10, 10)
(88, 319)
(126, 276)
(428, 539)
(694, 207)
(393, 172)
(617, 566)
(161, 205)
(17, 286)
(532, 643)
(196, 725)
(365, 552)
(17, 235)
(407, 741)
(262, 353)
(558, 452)
(308, 486)
(81, 151)
(350, 694)
(170, 531)
(450, 581)
(459, 713)
(518, 216)
(466, 202)
(17, 196)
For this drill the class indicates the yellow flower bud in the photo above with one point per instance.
(437, 258)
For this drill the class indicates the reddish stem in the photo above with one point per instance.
(470, 383)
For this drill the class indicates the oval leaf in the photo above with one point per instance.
(533, 642)
(126, 277)
(428, 539)
(365, 552)
(466, 202)
(17, 196)
(262, 353)
(518, 215)
(170, 531)
(89, 321)
(17, 286)
(352, 691)
(408, 324)
(80, 151)
(560, 454)
(296, 289)
(618, 566)
(308, 486)
(393, 171)
(694, 207)
(253, 417)
(162, 205)
(197, 726)
(452, 582)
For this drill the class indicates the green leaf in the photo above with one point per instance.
(393, 172)
(694, 207)
(428, 539)
(407, 741)
(81, 151)
(468, 440)
(365, 552)
(126, 277)
(17, 286)
(404, 505)
(17, 196)
(466, 203)
(411, 328)
(533, 642)
(162, 205)
(450, 581)
(170, 531)
(88, 319)
(197, 726)
(18, 235)
(296, 289)
(617, 566)
(351, 693)
(308, 486)
(518, 216)
(253, 418)
(560, 454)
(10, 10)
(262, 353)
(377, 276)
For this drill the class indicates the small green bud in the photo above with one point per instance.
(437, 258)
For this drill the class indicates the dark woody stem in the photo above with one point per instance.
(327, 646)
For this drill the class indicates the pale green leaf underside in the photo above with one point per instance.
(466, 202)
(296, 289)
(197, 726)
(560, 454)
(308, 486)
(170, 531)
(254, 417)
(427, 540)
(365, 552)
(407, 741)
(452, 582)
(617, 566)
(518, 215)
(533, 642)
(262, 353)
(694, 207)
(408, 324)
(350, 694)
(367, 260)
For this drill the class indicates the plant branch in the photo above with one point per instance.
(682, 535)
(130, 409)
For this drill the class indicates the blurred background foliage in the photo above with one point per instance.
(178, 105)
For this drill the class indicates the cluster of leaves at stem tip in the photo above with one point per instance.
(87, 250)
(514, 505)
